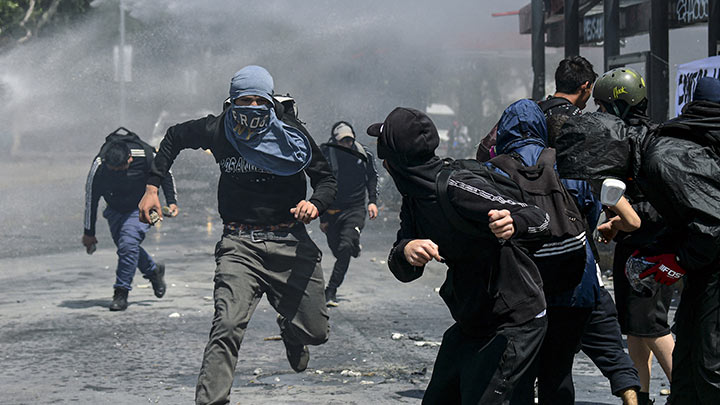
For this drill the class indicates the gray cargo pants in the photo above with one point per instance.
(283, 265)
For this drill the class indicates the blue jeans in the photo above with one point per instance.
(128, 233)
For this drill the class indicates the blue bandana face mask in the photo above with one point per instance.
(249, 120)
(265, 141)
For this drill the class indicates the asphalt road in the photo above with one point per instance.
(60, 344)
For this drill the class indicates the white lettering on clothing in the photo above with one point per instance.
(254, 123)
(670, 272)
(233, 165)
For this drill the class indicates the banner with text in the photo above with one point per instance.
(688, 75)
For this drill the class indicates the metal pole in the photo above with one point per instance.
(611, 29)
(658, 81)
(122, 63)
(538, 49)
(572, 30)
(713, 27)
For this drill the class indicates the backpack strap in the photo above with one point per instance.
(547, 157)
(591, 241)
(441, 187)
(360, 154)
(550, 103)
(333, 161)
(506, 163)
(361, 149)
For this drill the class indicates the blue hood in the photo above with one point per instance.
(522, 129)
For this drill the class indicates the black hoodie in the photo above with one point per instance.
(354, 171)
(489, 284)
(680, 176)
(247, 194)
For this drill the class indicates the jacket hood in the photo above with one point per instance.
(407, 136)
(707, 89)
(598, 145)
(521, 124)
(699, 122)
(407, 140)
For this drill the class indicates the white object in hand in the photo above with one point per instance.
(612, 190)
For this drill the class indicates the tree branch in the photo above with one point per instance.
(28, 14)
(48, 14)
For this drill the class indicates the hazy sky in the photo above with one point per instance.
(337, 57)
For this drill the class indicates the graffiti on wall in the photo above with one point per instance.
(691, 11)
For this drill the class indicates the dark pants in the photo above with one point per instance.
(595, 331)
(289, 272)
(343, 236)
(603, 343)
(696, 358)
(128, 233)
(553, 365)
(473, 370)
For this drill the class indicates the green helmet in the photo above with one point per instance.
(620, 84)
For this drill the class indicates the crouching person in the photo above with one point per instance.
(492, 288)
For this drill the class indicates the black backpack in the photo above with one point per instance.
(127, 137)
(553, 121)
(552, 102)
(562, 259)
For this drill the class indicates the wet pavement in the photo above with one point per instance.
(60, 344)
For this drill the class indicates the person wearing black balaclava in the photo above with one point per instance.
(354, 168)
(677, 169)
(492, 288)
(264, 155)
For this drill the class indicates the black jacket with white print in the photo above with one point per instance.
(247, 194)
(489, 283)
(122, 190)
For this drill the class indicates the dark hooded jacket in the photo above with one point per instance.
(122, 190)
(676, 168)
(489, 284)
(248, 194)
(354, 170)
(523, 133)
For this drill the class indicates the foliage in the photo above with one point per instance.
(20, 20)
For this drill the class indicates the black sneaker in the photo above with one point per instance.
(298, 355)
(357, 247)
(644, 398)
(158, 280)
(330, 297)
(119, 302)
